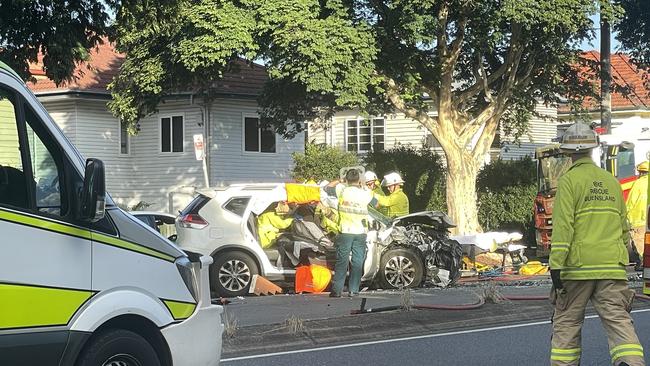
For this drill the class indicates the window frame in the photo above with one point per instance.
(224, 206)
(358, 121)
(59, 157)
(171, 135)
(128, 140)
(259, 137)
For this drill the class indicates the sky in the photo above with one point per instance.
(595, 44)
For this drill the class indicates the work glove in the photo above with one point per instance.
(557, 281)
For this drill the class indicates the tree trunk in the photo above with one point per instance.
(462, 171)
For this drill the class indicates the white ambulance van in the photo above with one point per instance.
(81, 281)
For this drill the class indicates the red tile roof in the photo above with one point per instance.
(94, 75)
(625, 75)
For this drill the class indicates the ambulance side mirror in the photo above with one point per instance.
(93, 194)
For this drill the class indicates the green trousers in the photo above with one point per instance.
(346, 244)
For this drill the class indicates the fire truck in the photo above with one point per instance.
(617, 155)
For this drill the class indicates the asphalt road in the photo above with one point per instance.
(521, 344)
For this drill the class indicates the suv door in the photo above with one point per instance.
(45, 275)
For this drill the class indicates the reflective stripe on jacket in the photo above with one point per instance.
(589, 225)
(269, 225)
(353, 209)
(637, 202)
(396, 203)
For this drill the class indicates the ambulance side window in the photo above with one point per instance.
(47, 167)
(13, 180)
(31, 162)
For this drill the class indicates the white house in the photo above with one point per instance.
(630, 98)
(352, 132)
(158, 165)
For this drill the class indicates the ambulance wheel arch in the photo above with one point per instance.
(117, 315)
(237, 262)
(114, 303)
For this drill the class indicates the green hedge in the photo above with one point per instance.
(506, 190)
(321, 162)
(422, 171)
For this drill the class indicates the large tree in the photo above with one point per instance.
(61, 31)
(634, 29)
(464, 69)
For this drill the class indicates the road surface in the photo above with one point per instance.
(520, 344)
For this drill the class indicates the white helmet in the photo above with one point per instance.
(579, 137)
(392, 179)
(370, 176)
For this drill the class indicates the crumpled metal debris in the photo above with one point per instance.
(442, 257)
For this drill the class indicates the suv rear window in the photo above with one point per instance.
(237, 205)
(197, 204)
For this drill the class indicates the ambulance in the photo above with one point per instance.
(81, 281)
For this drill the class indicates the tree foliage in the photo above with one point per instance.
(482, 65)
(633, 29)
(62, 31)
(320, 162)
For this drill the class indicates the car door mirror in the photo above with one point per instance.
(93, 194)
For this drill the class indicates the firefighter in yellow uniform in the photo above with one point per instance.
(373, 184)
(269, 226)
(396, 203)
(637, 202)
(588, 256)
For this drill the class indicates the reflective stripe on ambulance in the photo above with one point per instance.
(45, 285)
(67, 229)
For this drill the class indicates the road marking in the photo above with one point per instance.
(425, 336)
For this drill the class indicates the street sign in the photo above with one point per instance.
(199, 147)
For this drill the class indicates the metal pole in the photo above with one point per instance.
(605, 75)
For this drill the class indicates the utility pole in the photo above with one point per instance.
(605, 74)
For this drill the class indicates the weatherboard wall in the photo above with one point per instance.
(167, 181)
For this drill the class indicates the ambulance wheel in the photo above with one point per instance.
(118, 347)
(231, 273)
(400, 268)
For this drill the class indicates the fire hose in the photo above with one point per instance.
(470, 306)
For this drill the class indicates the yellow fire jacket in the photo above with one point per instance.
(396, 203)
(589, 225)
(269, 225)
(637, 202)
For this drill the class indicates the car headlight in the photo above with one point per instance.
(186, 269)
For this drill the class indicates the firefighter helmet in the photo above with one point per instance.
(579, 137)
(391, 179)
(643, 167)
(370, 176)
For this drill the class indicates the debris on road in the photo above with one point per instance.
(261, 286)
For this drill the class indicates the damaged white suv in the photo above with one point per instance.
(222, 222)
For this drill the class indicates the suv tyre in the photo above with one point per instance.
(400, 268)
(231, 273)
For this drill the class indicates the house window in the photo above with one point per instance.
(256, 138)
(171, 134)
(124, 139)
(364, 135)
(430, 142)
